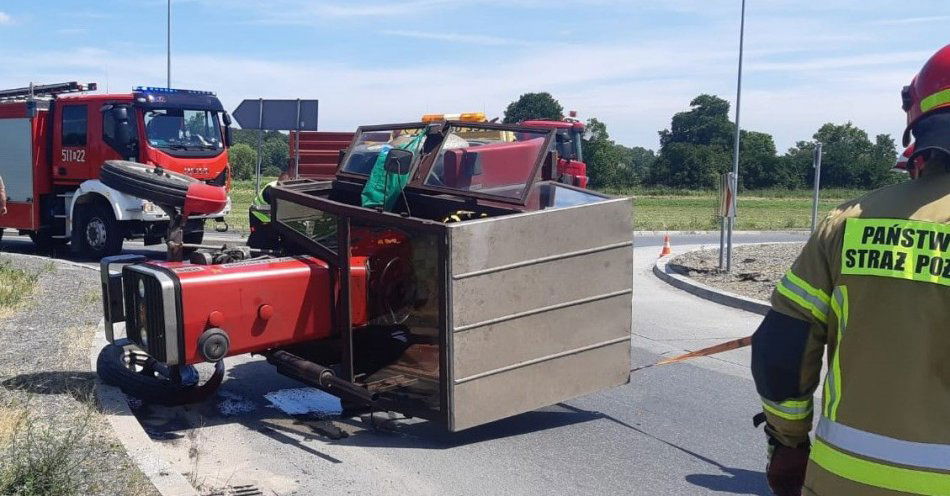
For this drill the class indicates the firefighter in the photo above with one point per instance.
(872, 285)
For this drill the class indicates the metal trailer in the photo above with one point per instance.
(529, 312)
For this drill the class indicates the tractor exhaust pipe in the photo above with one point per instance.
(318, 376)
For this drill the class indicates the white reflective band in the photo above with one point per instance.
(883, 448)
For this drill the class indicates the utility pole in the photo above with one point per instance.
(168, 45)
(735, 151)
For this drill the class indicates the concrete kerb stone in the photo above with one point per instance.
(115, 406)
(666, 273)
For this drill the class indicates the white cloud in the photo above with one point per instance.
(5, 18)
(912, 20)
(469, 39)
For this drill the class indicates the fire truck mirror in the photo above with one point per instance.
(123, 128)
(398, 161)
(226, 119)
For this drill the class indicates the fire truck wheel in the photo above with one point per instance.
(99, 233)
(117, 367)
(44, 240)
(154, 184)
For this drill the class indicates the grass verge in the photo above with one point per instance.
(15, 286)
(673, 210)
(42, 458)
(242, 195)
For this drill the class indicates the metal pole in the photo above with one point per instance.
(722, 242)
(297, 144)
(735, 151)
(260, 148)
(814, 201)
(168, 46)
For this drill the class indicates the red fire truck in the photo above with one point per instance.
(54, 139)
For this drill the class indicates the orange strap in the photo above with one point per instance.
(735, 344)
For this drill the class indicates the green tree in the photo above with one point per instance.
(533, 106)
(276, 153)
(243, 161)
(849, 158)
(611, 165)
(697, 147)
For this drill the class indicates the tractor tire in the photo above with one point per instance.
(100, 235)
(154, 184)
(114, 369)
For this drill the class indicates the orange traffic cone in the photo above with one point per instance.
(667, 249)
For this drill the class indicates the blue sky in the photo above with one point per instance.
(631, 63)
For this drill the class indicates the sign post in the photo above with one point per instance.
(276, 115)
(727, 214)
(814, 202)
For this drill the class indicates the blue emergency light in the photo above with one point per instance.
(150, 89)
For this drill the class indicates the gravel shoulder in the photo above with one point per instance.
(46, 385)
(756, 268)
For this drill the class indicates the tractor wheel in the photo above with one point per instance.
(139, 375)
(154, 184)
(100, 235)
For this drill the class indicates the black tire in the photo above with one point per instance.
(154, 184)
(114, 370)
(45, 241)
(193, 238)
(99, 233)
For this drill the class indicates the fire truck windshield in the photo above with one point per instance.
(183, 129)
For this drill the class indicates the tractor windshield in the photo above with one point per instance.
(494, 161)
(372, 140)
(184, 129)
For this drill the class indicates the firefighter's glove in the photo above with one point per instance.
(786, 468)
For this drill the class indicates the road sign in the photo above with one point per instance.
(277, 115)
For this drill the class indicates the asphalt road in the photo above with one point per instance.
(675, 429)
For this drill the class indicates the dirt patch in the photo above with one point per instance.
(756, 269)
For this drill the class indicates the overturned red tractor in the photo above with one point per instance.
(444, 273)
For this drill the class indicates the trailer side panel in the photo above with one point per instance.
(541, 309)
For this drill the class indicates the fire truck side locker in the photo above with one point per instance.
(17, 163)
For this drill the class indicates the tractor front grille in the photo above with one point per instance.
(145, 313)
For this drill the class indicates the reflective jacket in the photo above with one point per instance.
(872, 286)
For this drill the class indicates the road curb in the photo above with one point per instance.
(663, 271)
(115, 407)
(41, 257)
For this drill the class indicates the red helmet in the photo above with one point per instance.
(928, 92)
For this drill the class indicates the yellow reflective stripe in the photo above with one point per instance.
(260, 215)
(901, 249)
(790, 409)
(816, 292)
(839, 305)
(812, 300)
(878, 474)
(939, 98)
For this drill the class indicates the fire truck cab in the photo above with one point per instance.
(55, 138)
